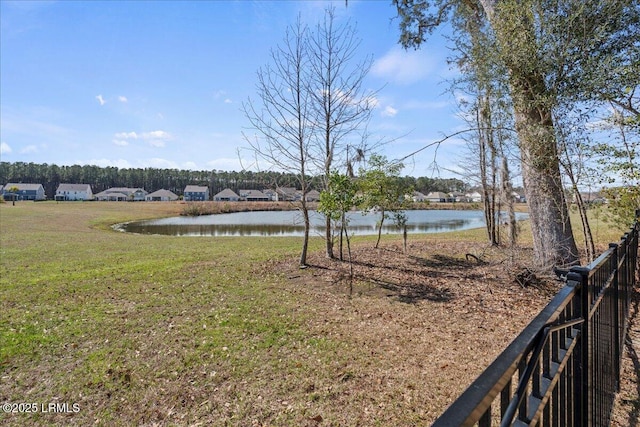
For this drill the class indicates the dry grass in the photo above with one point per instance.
(160, 330)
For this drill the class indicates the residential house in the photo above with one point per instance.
(439, 197)
(271, 194)
(24, 191)
(253, 196)
(459, 197)
(196, 193)
(226, 195)
(590, 197)
(122, 194)
(74, 192)
(161, 195)
(288, 194)
(113, 196)
(418, 197)
(474, 197)
(313, 196)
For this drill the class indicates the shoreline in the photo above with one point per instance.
(212, 208)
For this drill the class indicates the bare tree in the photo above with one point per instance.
(281, 116)
(489, 115)
(572, 142)
(341, 105)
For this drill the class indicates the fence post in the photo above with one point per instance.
(582, 378)
(615, 267)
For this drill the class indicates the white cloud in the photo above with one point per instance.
(228, 101)
(403, 67)
(123, 99)
(155, 138)
(29, 149)
(156, 134)
(4, 148)
(372, 100)
(389, 111)
(126, 135)
(101, 100)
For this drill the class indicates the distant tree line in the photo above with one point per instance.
(152, 179)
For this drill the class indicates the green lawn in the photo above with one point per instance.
(110, 320)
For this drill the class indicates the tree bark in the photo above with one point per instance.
(307, 227)
(553, 241)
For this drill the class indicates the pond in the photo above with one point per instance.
(290, 223)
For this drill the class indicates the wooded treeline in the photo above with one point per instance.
(152, 179)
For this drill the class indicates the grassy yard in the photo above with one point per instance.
(161, 330)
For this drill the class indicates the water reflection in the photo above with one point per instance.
(277, 230)
(289, 223)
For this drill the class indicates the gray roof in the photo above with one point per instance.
(23, 186)
(253, 194)
(227, 193)
(74, 187)
(124, 190)
(438, 195)
(111, 194)
(163, 193)
(195, 189)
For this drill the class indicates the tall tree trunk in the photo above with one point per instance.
(380, 229)
(507, 189)
(553, 241)
(342, 232)
(307, 227)
(487, 154)
(589, 245)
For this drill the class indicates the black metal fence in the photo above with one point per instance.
(564, 367)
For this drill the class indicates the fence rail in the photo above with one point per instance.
(564, 367)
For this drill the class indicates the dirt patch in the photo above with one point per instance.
(438, 272)
(472, 301)
(431, 320)
(626, 410)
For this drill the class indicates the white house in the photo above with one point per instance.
(253, 196)
(226, 195)
(271, 194)
(439, 197)
(122, 194)
(288, 194)
(474, 197)
(74, 192)
(418, 197)
(161, 195)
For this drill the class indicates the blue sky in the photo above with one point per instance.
(161, 84)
